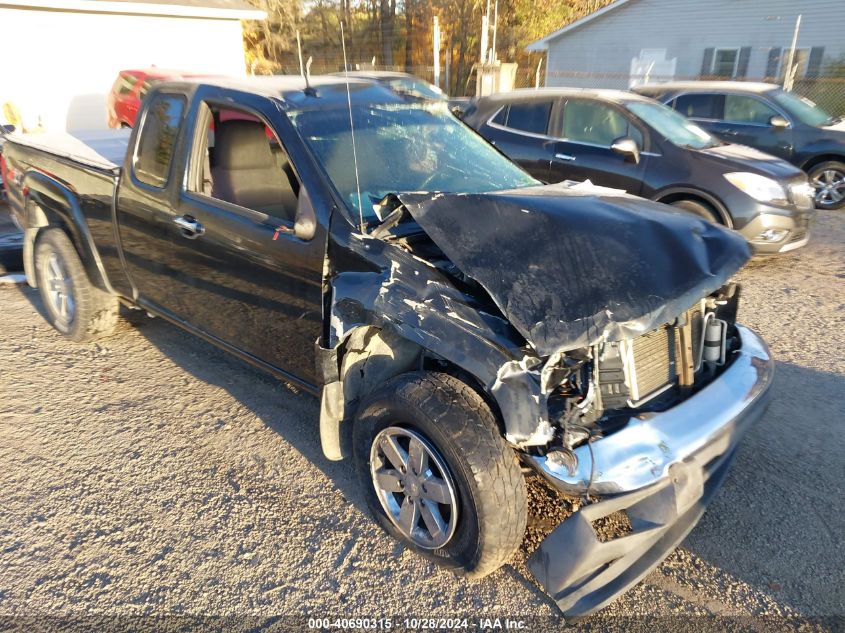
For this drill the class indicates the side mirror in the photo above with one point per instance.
(7, 129)
(628, 148)
(779, 122)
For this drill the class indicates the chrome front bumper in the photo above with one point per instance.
(662, 470)
(710, 423)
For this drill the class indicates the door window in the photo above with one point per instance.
(154, 151)
(238, 159)
(744, 109)
(596, 123)
(700, 106)
(532, 116)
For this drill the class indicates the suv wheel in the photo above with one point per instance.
(829, 180)
(704, 211)
(74, 306)
(437, 473)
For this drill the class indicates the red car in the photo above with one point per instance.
(130, 88)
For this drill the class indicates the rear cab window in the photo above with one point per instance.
(530, 116)
(157, 139)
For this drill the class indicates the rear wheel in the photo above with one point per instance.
(829, 181)
(702, 210)
(74, 306)
(437, 473)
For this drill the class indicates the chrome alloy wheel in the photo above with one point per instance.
(414, 487)
(830, 187)
(59, 290)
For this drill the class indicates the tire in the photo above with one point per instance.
(702, 210)
(829, 180)
(73, 305)
(460, 432)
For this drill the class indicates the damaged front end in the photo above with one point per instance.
(604, 329)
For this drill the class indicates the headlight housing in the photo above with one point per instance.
(758, 187)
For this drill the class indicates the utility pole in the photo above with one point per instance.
(299, 50)
(436, 39)
(484, 29)
(448, 63)
(495, 27)
(789, 75)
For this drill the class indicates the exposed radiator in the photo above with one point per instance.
(653, 360)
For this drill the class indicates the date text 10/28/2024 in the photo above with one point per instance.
(419, 624)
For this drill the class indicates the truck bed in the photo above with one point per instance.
(101, 149)
(87, 166)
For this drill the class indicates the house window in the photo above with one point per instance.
(725, 62)
(799, 62)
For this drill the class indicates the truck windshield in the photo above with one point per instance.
(803, 109)
(403, 148)
(674, 127)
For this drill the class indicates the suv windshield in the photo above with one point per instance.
(803, 109)
(403, 148)
(674, 127)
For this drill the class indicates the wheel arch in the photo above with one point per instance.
(49, 203)
(364, 360)
(822, 158)
(675, 194)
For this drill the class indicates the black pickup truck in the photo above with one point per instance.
(461, 323)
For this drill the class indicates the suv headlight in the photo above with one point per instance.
(758, 187)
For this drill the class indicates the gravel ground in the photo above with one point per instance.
(151, 474)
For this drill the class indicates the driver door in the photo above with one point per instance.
(584, 130)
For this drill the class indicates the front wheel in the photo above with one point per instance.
(702, 210)
(437, 473)
(74, 306)
(829, 181)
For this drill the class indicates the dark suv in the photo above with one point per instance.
(772, 120)
(626, 141)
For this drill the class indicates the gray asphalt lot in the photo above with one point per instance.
(151, 474)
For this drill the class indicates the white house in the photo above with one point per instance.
(59, 58)
(633, 41)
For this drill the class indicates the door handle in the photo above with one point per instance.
(568, 157)
(189, 225)
(730, 132)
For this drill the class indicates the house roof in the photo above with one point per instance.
(543, 44)
(216, 9)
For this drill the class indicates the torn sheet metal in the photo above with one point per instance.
(391, 288)
(570, 268)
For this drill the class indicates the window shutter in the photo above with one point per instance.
(742, 63)
(707, 62)
(772, 64)
(814, 62)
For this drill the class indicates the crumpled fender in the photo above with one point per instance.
(410, 296)
(571, 268)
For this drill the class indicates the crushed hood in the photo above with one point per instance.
(570, 268)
